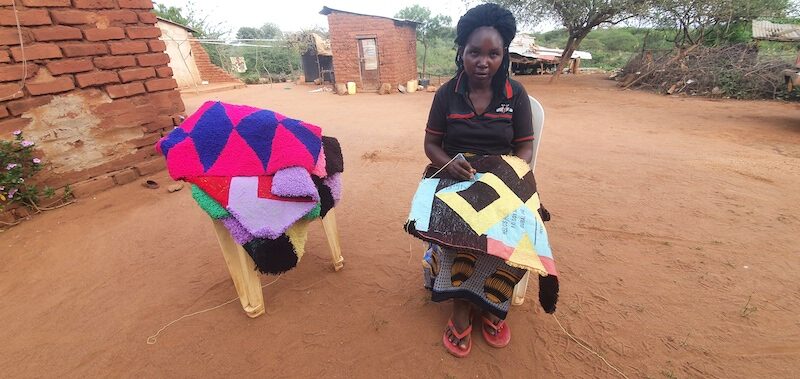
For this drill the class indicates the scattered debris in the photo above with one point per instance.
(151, 184)
(175, 187)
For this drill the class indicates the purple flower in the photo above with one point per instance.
(37, 160)
(11, 193)
(2, 188)
(11, 166)
(17, 132)
(26, 143)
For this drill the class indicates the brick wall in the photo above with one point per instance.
(209, 71)
(397, 48)
(98, 92)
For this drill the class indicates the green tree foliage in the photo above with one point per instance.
(579, 17)
(430, 28)
(266, 31)
(192, 17)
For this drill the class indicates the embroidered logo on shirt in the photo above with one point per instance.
(505, 108)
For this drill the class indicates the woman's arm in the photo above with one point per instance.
(524, 150)
(458, 168)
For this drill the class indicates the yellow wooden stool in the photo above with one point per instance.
(243, 269)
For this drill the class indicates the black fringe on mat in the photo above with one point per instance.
(272, 256)
(326, 197)
(334, 162)
(548, 292)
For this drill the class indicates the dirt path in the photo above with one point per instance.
(675, 228)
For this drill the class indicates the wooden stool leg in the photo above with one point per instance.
(520, 289)
(243, 272)
(332, 232)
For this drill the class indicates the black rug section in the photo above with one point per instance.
(334, 161)
(325, 196)
(272, 256)
(548, 292)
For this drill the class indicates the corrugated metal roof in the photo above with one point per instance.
(766, 30)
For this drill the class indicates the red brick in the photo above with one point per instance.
(10, 36)
(143, 32)
(70, 66)
(84, 49)
(155, 59)
(96, 78)
(5, 57)
(46, 3)
(157, 46)
(161, 122)
(73, 17)
(148, 141)
(9, 126)
(164, 72)
(148, 17)
(122, 48)
(9, 72)
(37, 51)
(132, 74)
(92, 186)
(10, 91)
(3, 111)
(106, 34)
(136, 4)
(119, 16)
(94, 4)
(125, 90)
(60, 84)
(115, 61)
(151, 167)
(57, 33)
(26, 17)
(125, 176)
(167, 102)
(160, 84)
(21, 106)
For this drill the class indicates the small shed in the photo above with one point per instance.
(191, 66)
(317, 59)
(371, 50)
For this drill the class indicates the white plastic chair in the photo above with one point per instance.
(537, 112)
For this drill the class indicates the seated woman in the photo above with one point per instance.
(479, 133)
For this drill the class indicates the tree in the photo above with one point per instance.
(579, 17)
(698, 21)
(193, 18)
(247, 32)
(429, 28)
(271, 31)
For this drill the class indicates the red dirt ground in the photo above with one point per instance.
(675, 229)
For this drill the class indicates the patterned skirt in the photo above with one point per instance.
(484, 280)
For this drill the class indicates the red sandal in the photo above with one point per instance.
(452, 348)
(502, 335)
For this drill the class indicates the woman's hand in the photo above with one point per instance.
(460, 169)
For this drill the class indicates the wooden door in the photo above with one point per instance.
(368, 55)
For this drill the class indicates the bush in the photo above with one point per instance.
(17, 167)
(736, 71)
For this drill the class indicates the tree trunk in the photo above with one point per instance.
(566, 56)
(424, 58)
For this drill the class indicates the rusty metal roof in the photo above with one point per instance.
(765, 30)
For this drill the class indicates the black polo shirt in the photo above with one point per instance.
(506, 121)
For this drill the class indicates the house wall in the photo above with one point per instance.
(181, 59)
(96, 91)
(397, 47)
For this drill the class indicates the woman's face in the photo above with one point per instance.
(483, 54)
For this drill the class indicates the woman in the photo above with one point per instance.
(479, 113)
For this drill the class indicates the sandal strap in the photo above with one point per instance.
(455, 332)
(494, 326)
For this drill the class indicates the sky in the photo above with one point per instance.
(303, 14)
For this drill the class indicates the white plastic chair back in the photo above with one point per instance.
(537, 112)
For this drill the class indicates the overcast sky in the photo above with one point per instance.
(293, 15)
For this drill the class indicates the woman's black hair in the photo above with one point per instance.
(501, 20)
